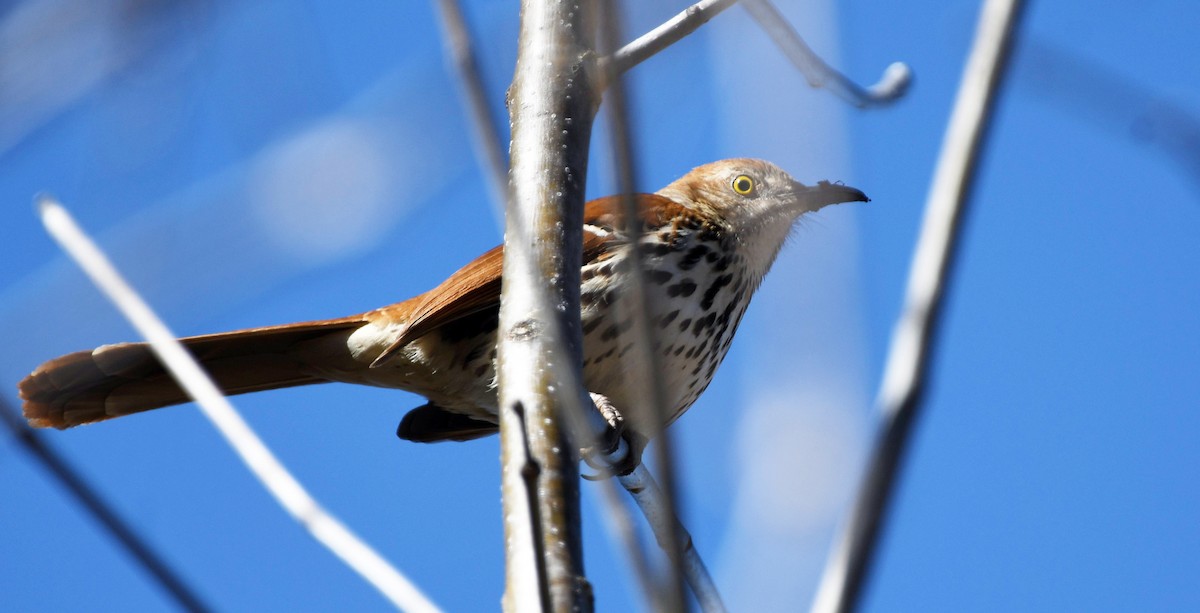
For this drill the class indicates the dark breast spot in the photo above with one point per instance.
(591, 325)
(660, 276)
(684, 288)
(711, 293)
(702, 323)
(693, 256)
(609, 333)
(668, 318)
(723, 320)
(654, 248)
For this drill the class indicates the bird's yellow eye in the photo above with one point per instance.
(743, 185)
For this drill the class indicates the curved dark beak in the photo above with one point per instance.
(824, 193)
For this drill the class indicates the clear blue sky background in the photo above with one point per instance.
(250, 163)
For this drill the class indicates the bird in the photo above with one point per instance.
(707, 241)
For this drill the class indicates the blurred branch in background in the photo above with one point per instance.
(53, 53)
(907, 368)
(95, 506)
(323, 526)
(489, 144)
(891, 86)
(1112, 102)
(645, 371)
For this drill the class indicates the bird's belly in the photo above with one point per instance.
(692, 326)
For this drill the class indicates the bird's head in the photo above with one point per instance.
(756, 201)
(750, 194)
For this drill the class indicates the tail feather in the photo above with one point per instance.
(115, 380)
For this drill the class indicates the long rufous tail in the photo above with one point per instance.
(115, 380)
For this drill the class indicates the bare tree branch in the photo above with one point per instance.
(912, 346)
(642, 487)
(551, 112)
(891, 86)
(665, 35)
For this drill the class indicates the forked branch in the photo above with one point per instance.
(890, 87)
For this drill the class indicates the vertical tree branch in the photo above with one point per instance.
(912, 341)
(551, 106)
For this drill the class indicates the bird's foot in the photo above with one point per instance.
(618, 452)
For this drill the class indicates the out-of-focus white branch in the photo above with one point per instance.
(908, 361)
(641, 486)
(891, 86)
(216, 407)
(489, 147)
(646, 381)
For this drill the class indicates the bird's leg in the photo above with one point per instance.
(610, 457)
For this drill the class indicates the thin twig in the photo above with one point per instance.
(216, 407)
(647, 379)
(154, 564)
(641, 486)
(624, 535)
(908, 362)
(664, 35)
(891, 86)
(489, 146)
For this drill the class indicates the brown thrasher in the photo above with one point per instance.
(708, 239)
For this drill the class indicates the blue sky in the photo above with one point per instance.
(266, 162)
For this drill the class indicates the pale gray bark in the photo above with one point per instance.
(551, 105)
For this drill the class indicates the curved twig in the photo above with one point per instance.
(891, 86)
